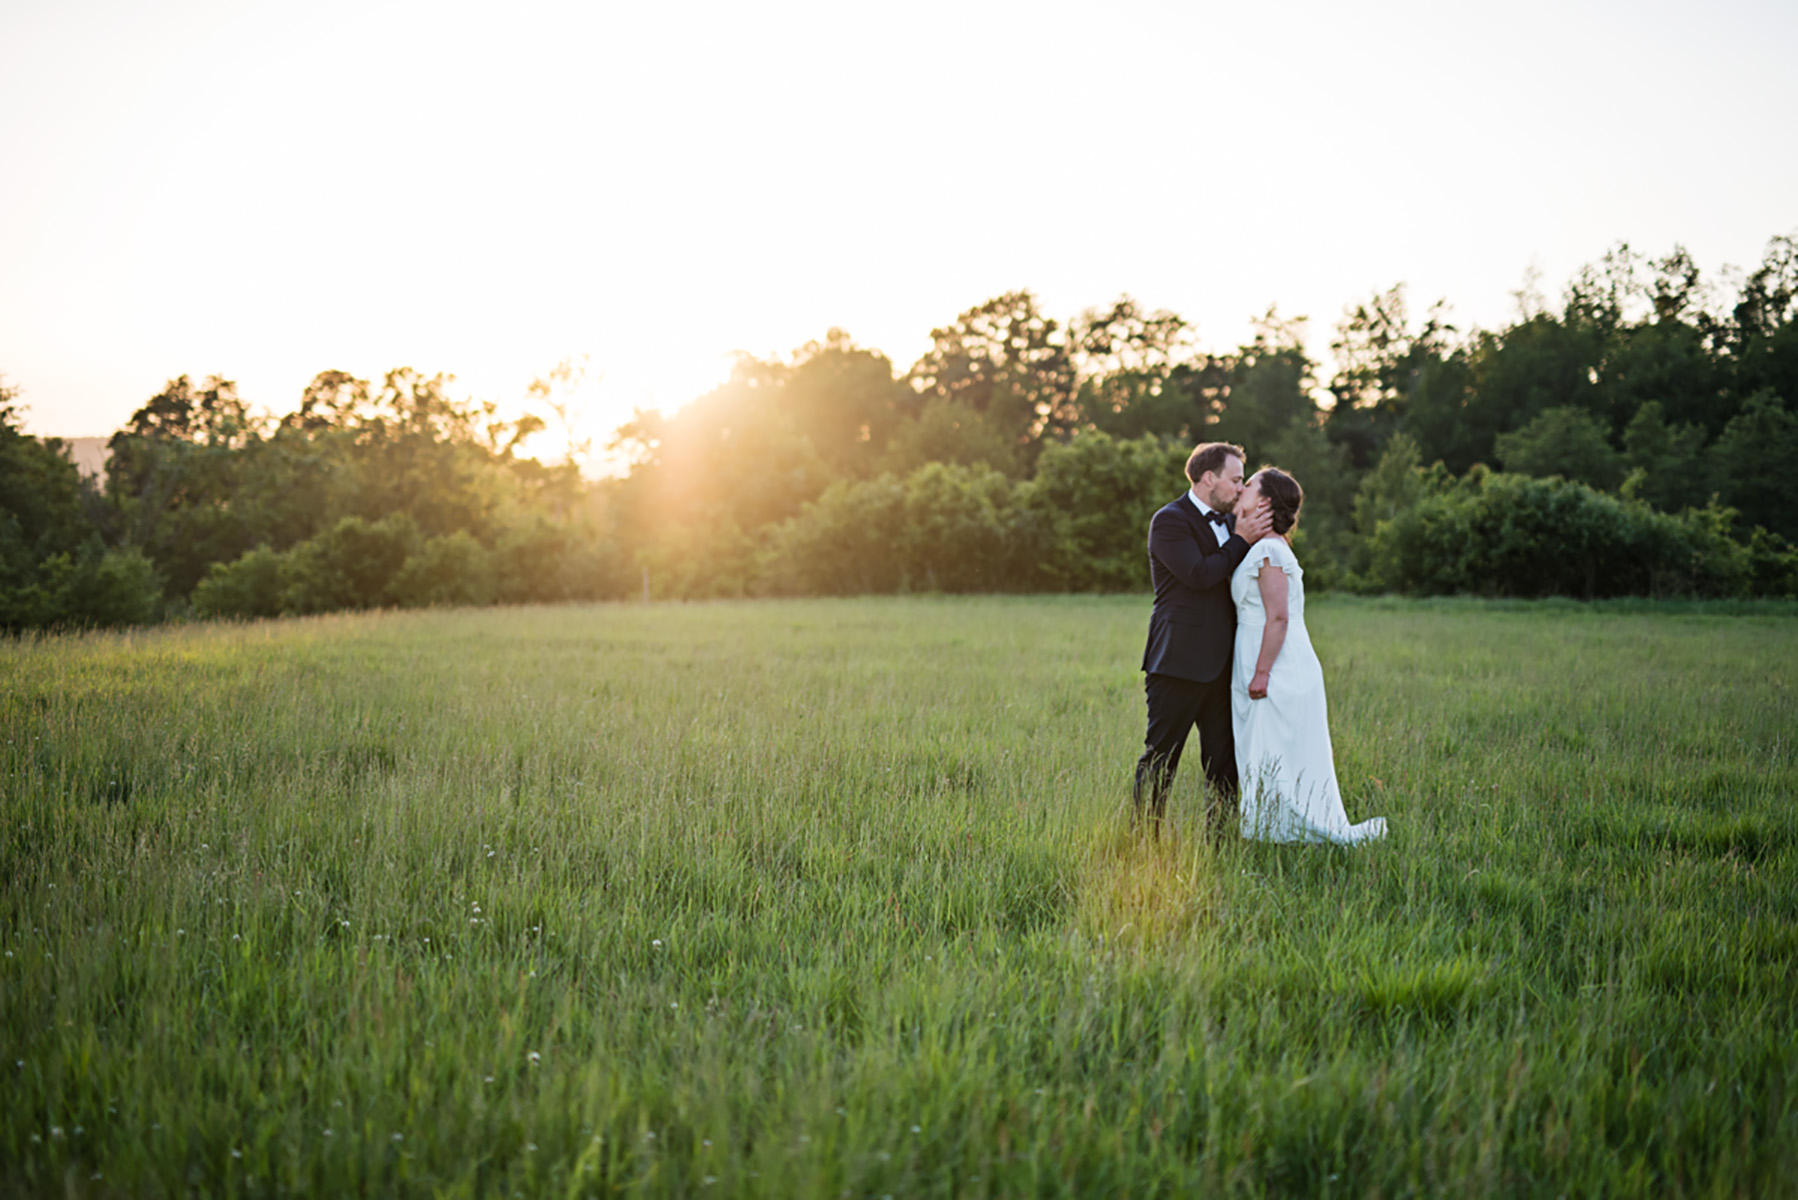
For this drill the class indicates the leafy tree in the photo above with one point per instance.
(174, 476)
(1751, 464)
(947, 431)
(845, 400)
(40, 495)
(195, 480)
(1124, 339)
(1270, 387)
(1604, 296)
(1380, 361)
(1007, 361)
(1138, 373)
(1323, 468)
(1133, 404)
(1665, 461)
(1762, 336)
(1668, 362)
(1505, 380)
(1568, 442)
(1677, 293)
(735, 455)
(1096, 495)
(1768, 301)
(54, 570)
(333, 400)
(1394, 486)
(420, 451)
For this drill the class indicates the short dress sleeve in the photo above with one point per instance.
(1275, 551)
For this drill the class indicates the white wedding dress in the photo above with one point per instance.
(1285, 765)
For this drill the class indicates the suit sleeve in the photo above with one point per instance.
(1174, 544)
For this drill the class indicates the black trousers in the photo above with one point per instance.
(1175, 706)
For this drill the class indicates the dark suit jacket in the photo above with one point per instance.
(1192, 630)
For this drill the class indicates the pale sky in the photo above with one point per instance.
(268, 191)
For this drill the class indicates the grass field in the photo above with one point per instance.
(837, 898)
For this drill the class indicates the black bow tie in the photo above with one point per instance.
(1218, 518)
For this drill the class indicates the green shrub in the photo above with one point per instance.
(359, 564)
(248, 587)
(1096, 495)
(92, 587)
(964, 532)
(844, 543)
(1772, 564)
(1513, 535)
(455, 569)
(350, 565)
(945, 527)
(113, 587)
(542, 561)
(1566, 441)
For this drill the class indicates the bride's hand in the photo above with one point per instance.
(1258, 686)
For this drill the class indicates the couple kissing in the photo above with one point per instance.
(1228, 652)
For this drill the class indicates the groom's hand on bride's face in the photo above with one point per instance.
(1255, 524)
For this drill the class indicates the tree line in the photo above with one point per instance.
(1632, 439)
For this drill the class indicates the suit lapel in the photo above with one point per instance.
(1202, 527)
(1207, 539)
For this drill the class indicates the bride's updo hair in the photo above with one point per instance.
(1284, 497)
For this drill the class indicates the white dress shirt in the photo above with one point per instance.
(1222, 531)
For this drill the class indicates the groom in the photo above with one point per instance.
(1194, 546)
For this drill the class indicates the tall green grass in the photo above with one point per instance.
(838, 898)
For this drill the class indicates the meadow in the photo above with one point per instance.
(838, 898)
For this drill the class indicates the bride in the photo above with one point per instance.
(1285, 766)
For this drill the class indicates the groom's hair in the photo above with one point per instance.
(1284, 498)
(1210, 456)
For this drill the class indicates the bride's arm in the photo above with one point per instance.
(1272, 582)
